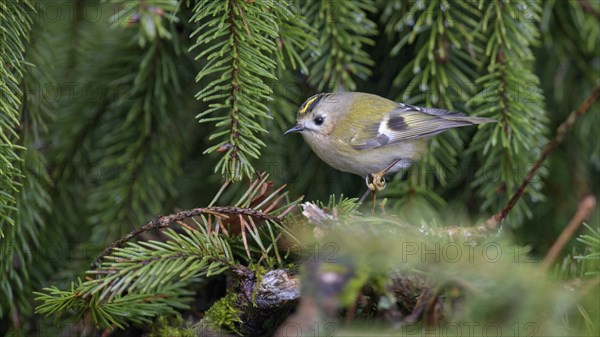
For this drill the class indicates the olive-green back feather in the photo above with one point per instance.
(407, 122)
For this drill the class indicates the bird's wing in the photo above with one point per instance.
(407, 122)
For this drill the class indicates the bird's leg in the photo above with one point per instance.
(375, 200)
(364, 196)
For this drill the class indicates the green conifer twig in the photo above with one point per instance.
(166, 221)
(561, 132)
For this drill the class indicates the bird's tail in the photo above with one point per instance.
(466, 120)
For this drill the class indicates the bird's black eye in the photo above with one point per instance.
(318, 120)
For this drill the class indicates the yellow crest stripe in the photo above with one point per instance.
(308, 104)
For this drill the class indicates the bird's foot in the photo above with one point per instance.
(376, 181)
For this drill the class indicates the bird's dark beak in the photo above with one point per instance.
(296, 128)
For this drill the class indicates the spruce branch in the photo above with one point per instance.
(21, 271)
(445, 38)
(141, 135)
(215, 211)
(509, 93)
(339, 57)
(295, 35)
(561, 133)
(24, 198)
(139, 307)
(133, 134)
(15, 25)
(74, 38)
(237, 41)
(207, 243)
(149, 15)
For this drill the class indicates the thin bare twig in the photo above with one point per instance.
(494, 221)
(587, 7)
(586, 206)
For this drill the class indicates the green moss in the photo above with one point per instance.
(259, 272)
(224, 314)
(172, 327)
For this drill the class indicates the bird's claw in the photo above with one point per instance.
(375, 182)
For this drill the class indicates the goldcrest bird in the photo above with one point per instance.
(369, 135)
